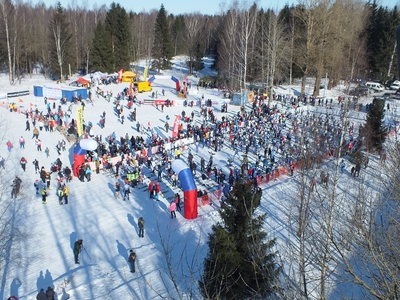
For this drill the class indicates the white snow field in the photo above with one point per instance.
(169, 257)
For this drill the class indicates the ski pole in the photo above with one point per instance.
(87, 253)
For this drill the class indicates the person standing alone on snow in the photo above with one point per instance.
(77, 250)
(132, 258)
(141, 227)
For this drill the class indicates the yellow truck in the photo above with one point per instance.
(142, 86)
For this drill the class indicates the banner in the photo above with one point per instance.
(79, 120)
(176, 126)
(52, 93)
(161, 102)
(17, 94)
(145, 73)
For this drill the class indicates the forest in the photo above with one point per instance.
(341, 40)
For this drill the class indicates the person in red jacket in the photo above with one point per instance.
(23, 162)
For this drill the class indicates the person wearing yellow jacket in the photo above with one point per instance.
(66, 191)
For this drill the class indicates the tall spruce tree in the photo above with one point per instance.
(375, 130)
(102, 55)
(60, 45)
(116, 24)
(162, 47)
(240, 262)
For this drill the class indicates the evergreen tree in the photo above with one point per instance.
(178, 29)
(162, 47)
(116, 24)
(375, 130)
(60, 45)
(240, 263)
(102, 55)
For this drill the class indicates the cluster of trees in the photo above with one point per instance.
(344, 39)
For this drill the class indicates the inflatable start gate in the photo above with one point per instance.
(188, 186)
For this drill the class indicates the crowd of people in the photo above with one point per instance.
(261, 137)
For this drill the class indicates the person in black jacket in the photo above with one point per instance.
(67, 172)
(141, 227)
(77, 249)
(132, 258)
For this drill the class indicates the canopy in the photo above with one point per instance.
(83, 81)
(128, 74)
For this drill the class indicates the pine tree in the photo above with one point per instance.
(116, 24)
(162, 47)
(178, 29)
(102, 56)
(240, 263)
(60, 45)
(375, 131)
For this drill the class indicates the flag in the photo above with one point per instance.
(176, 126)
(20, 100)
(120, 75)
(79, 120)
(146, 72)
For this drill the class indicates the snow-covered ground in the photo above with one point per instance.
(171, 248)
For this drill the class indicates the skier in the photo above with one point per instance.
(132, 258)
(141, 227)
(9, 146)
(88, 173)
(36, 185)
(117, 190)
(38, 143)
(22, 142)
(60, 194)
(66, 192)
(178, 201)
(127, 190)
(44, 196)
(172, 208)
(67, 173)
(342, 166)
(77, 249)
(36, 164)
(23, 162)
